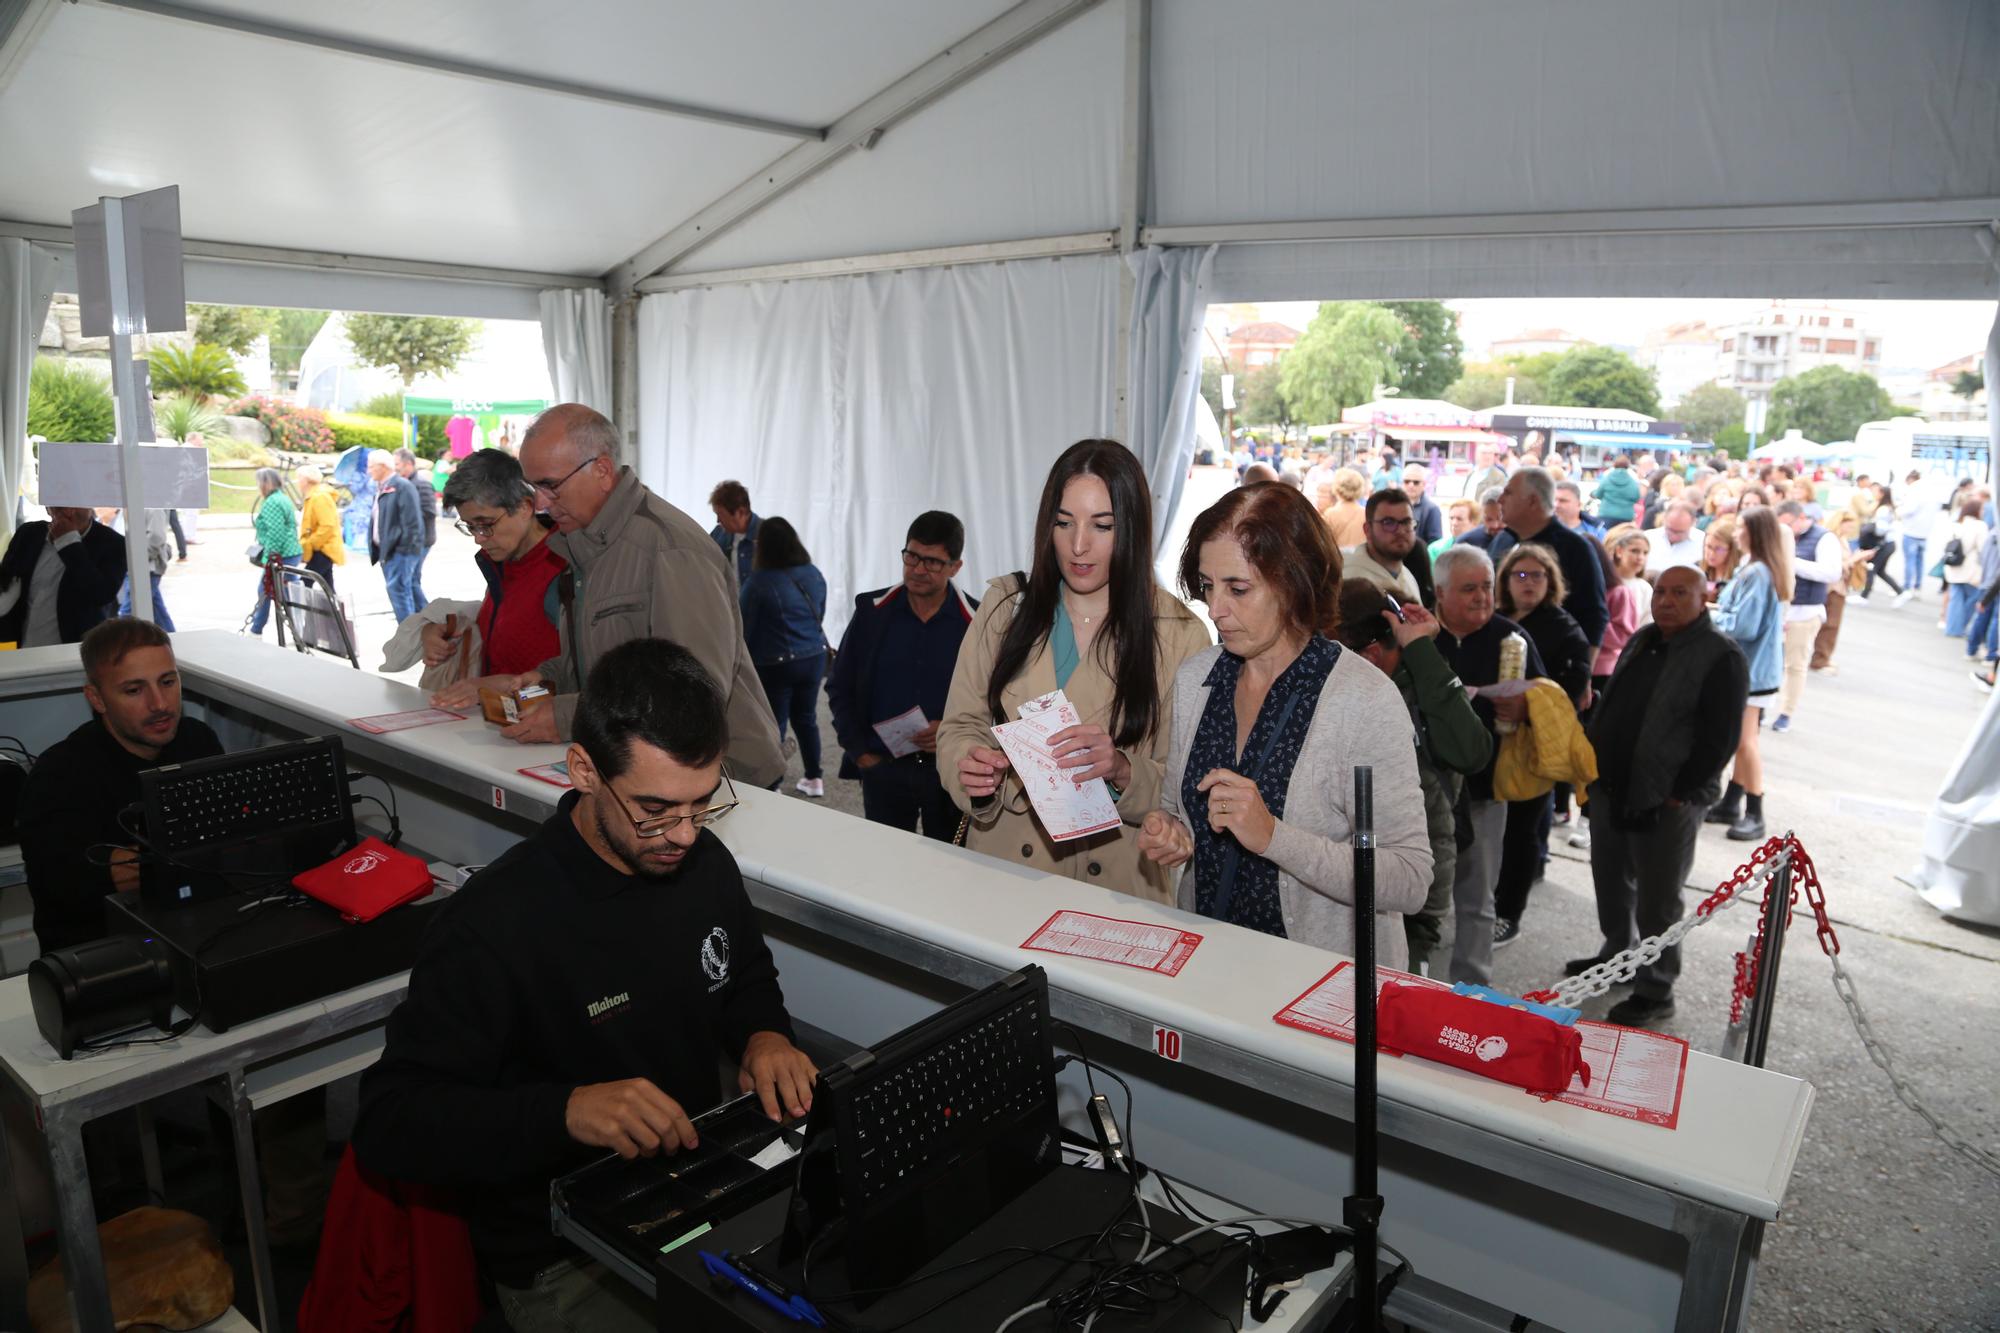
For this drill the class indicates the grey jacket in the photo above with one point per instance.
(643, 569)
(1360, 720)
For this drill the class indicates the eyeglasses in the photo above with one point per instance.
(930, 564)
(1396, 524)
(481, 527)
(1529, 576)
(658, 826)
(549, 488)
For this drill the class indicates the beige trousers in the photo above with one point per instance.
(1799, 636)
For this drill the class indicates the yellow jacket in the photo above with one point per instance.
(319, 527)
(1549, 748)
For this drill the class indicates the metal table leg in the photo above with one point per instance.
(1713, 1287)
(149, 1155)
(13, 1244)
(252, 1187)
(76, 1227)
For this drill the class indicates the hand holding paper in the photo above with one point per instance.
(1066, 807)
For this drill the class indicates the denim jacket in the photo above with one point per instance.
(782, 611)
(1750, 613)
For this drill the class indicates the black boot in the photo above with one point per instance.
(1727, 810)
(1750, 828)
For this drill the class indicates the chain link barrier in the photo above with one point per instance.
(1761, 871)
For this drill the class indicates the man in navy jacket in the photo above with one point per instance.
(898, 654)
(396, 535)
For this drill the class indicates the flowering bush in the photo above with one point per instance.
(293, 428)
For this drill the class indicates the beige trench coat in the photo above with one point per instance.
(1007, 827)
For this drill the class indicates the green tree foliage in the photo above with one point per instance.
(232, 327)
(202, 371)
(69, 403)
(1732, 440)
(1601, 377)
(1431, 355)
(1263, 398)
(1709, 409)
(1827, 403)
(1211, 385)
(1484, 385)
(1348, 349)
(1968, 383)
(411, 345)
(382, 405)
(292, 331)
(183, 415)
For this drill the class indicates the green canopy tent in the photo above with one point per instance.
(486, 412)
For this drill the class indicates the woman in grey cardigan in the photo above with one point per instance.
(1267, 731)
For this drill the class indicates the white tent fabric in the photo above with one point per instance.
(27, 282)
(1170, 296)
(576, 331)
(1960, 874)
(850, 405)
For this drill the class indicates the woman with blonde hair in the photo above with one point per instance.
(1752, 612)
(319, 524)
(1719, 554)
(1346, 519)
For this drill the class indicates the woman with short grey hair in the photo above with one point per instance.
(277, 528)
(517, 622)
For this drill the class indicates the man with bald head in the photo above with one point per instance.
(1664, 728)
(638, 569)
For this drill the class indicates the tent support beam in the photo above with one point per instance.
(1135, 147)
(464, 69)
(1652, 221)
(21, 22)
(862, 128)
(280, 257)
(992, 252)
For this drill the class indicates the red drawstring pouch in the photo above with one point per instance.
(1491, 1040)
(366, 880)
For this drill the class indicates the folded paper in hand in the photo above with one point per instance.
(899, 733)
(1067, 809)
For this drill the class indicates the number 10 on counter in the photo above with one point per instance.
(1167, 1044)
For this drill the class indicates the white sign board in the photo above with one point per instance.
(156, 297)
(86, 475)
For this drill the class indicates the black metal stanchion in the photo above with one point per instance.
(1362, 1210)
(1770, 948)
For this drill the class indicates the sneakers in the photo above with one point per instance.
(1904, 596)
(1581, 838)
(1638, 1011)
(1576, 967)
(1750, 828)
(1561, 819)
(1782, 725)
(1829, 669)
(1983, 680)
(1505, 932)
(813, 787)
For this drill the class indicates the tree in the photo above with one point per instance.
(1968, 384)
(1827, 403)
(292, 331)
(412, 345)
(1602, 377)
(1348, 349)
(1431, 354)
(232, 327)
(1211, 384)
(1263, 401)
(1709, 409)
(201, 371)
(1733, 441)
(1484, 385)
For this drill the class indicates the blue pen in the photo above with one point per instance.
(795, 1308)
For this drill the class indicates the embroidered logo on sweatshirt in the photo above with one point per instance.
(715, 957)
(610, 1005)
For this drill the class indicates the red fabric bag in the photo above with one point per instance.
(366, 880)
(1491, 1040)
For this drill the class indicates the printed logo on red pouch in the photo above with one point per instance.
(364, 863)
(1486, 1048)
(1491, 1049)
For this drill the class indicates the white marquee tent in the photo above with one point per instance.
(875, 257)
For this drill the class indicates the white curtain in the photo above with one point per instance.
(27, 282)
(850, 405)
(576, 334)
(1169, 298)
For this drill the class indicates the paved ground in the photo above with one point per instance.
(1883, 1227)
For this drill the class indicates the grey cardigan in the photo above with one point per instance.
(1361, 719)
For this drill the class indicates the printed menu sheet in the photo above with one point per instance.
(1066, 808)
(556, 774)
(1634, 1073)
(1140, 944)
(416, 717)
(899, 733)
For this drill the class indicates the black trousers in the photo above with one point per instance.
(322, 564)
(900, 792)
(1523, 849)
(1638, 877)
(180, 538)
(1878, 568)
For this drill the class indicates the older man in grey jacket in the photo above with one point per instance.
(638, 568)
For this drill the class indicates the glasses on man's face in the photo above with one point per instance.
(658, 825)
(930, 564)
(549, 488)
(1396, 524)
(477, 527)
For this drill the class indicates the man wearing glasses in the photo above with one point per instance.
(638, 568)
(1388, 536)
(579, 994)
(897, 655)
(1528, 504)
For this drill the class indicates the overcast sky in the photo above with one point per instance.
(1919, 334)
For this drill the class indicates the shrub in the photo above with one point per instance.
(204, 370)
(178, 417)
(432, 442)
(371, 432)
(388, 404)
(69, 403)
(229, 449)
(295, 429)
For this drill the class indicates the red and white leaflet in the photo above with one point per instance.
(1328, 1008)
(1633, 1073)
(416, 717)
(1163, 949)
(1067, 809)
(556, 774)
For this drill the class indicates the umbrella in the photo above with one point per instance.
(1792, 445)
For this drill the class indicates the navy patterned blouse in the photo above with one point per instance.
(1254, 900)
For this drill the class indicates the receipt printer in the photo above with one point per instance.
(105, 986)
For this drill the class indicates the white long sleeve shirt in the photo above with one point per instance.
(1827, 565)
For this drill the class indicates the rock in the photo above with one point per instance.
(248, 429)
(164, 1270)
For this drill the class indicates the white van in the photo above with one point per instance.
(1943, 451)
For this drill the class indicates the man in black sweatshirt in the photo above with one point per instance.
(581, 992)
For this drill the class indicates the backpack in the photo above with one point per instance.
(1954, 553)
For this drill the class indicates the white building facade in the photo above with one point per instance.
(1791, 337)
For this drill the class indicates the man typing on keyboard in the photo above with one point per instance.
(580, 993)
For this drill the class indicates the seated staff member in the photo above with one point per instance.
(517, 620)
(70, 804)
(897, 654)
(1451, 740)
(1088, 620)
(579, 994)
(1267, 730)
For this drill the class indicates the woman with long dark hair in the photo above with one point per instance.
(1751, 610)
(1088, 619)
(784, 607)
